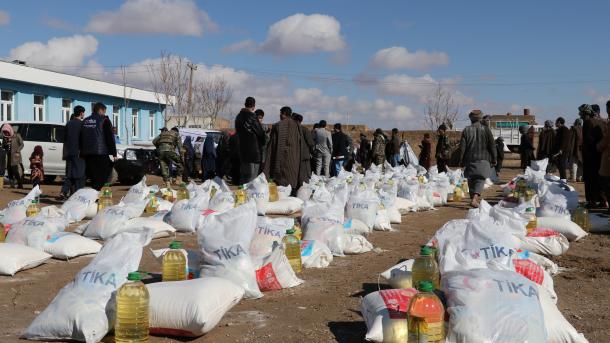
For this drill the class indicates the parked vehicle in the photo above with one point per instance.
(134, 163)
(198, 136)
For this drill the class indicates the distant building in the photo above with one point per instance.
(33, 94)
(509, 120)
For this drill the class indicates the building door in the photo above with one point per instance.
(6, 106)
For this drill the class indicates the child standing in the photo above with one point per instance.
(36, 166)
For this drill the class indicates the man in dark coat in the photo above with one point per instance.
(307, 148)
(189, 158)
(592, 133)
(477, 155)
(97, 144)
(75, 166)
(284, 151)
(576, 154)
(394, 148)
(341, 149)
(364, 152)
(443, 149)
(223, 161)
(425, 154)
(562, 149)
(234, 158)
(208, 158)
(526, 146)
(546, 141)
(378, 150)
(251, 140)
(499, 155)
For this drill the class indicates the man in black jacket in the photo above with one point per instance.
(341, 148)
(251, 140)
(75, 166)
(561, 150)
(97, 144)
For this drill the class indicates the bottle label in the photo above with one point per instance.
(266, 279)
(397, 301)
(422, 331)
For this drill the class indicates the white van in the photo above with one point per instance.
(51, 138)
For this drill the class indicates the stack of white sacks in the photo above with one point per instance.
(497, 285)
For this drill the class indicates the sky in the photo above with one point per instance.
(367, 62)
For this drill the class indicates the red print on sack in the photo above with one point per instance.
(266, 279)
(397, 301)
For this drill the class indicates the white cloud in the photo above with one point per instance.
(172, 17)
(398, 57)
(302, 33)
(247, 45)
(59, 53)
(5, 18)
(405, 85)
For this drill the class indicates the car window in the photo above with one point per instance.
(39, 133)
(58, 133)
(216, 136)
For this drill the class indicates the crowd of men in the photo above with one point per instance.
(583, 150)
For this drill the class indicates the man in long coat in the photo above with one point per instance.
(284, 151)
(592, 133)
(307, 148)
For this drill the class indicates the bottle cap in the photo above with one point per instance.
(107, 184)
(134, 276)
(175, 245)
(290, 231)
(183, 184)
(425, 286)
(151, 192)
(426, 251)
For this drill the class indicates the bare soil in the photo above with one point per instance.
(326, 307)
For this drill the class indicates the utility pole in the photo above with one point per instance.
(193, 67)
(125, 121)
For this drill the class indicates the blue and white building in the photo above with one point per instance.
(33, 94)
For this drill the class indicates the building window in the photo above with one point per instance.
(134, 123)
(151, 124)
(66, 109)
(6, 106)
(116, 119)
(38, 107)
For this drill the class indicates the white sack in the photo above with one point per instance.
(355, 244)
(66, 245)
(16, 257)
(356, 227)
(558, 329)
(268, 230)
(15, 210)
(139, 192)
(486, 305)
(225, 240)
(399, 276)
(185, 214)
(568, 228)
(327, 232)
(34, 231)
(284, 192)
(315, 254)
(284, 206)
(385, 314)
(77, 206)
(276, 272)
(382, 221)
(363, 206)
(160, 229)
(546, 242)
(84, 310)
(190, 308)
(111, 221)
(222, 202)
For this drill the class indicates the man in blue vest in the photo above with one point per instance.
(98, 145)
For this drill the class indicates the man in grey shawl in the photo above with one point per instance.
(477, 155)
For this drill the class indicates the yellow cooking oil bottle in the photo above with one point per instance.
(273, 195)
(426, 316)
(33, 209)
(153, 203)
(174, 263)
(2, 234)
(131, 324)
(240, 195)
(183, 193)
(532, 224)
(458, 194)
(292, 249)
(581, 216)
(425, 267)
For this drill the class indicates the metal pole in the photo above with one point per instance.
(190, 93)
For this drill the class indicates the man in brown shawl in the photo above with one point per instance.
(284, 151)
(307, 147)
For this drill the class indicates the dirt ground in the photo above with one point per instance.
(326, 307)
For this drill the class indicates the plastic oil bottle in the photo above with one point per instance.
(581, 216)
(292, 248)
(106, 191)
(2, 235)
(174, 263)
(213, 191)
(425, 267)
(273, 196)
(151, 206)
(530, 214)
(458, 194)
(426, 316)
(240, 196)
(33, 209)
(183, 193)
(465, 187)
(132, 311)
